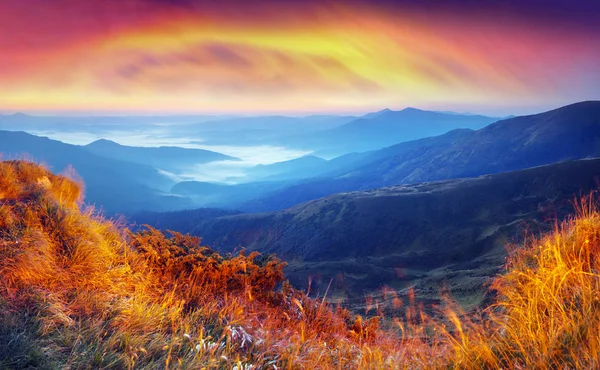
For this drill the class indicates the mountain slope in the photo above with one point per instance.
(566, 133)
(344, 173)
(208, 194)
(167, 158)
(453, 231)
(296, 168)
(117, 186)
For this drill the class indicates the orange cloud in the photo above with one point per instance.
(222, 69)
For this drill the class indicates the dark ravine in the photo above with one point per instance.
(450, 233)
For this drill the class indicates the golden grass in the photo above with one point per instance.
(548, 309)
(81, 292)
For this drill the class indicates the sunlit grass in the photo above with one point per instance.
(78, 291)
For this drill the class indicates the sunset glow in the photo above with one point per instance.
(135, 56)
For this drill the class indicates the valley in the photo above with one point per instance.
(449, 234)
(423, 215)
(291, 185)
(387, 233)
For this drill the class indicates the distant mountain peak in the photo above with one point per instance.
(411, 110)
(378, 113)
(19, 115)
(390, 112)
(103, 142)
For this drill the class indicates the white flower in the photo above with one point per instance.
(208, 345)
(239, 334)
(243, 367)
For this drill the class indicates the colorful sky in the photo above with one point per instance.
(296, 57)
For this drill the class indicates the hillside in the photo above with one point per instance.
(185, 220)
(453, 231)
(308, 168)
(118, 186)
(166, 158)
(296, 168)
(267, 181)
(208, 194)
(566, 133)
(570, 132)
(80, 292)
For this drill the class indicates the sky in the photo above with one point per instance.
(296, 57)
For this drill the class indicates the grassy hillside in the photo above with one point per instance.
(80, 292)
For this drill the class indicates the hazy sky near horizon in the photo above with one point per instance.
(186, 56)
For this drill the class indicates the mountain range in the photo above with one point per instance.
(566, 133)
(425, 235)
(167, 158)
(126, 179)
(384, 128)
(114, 185)
(423, 213)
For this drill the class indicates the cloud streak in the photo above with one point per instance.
(221, 69)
